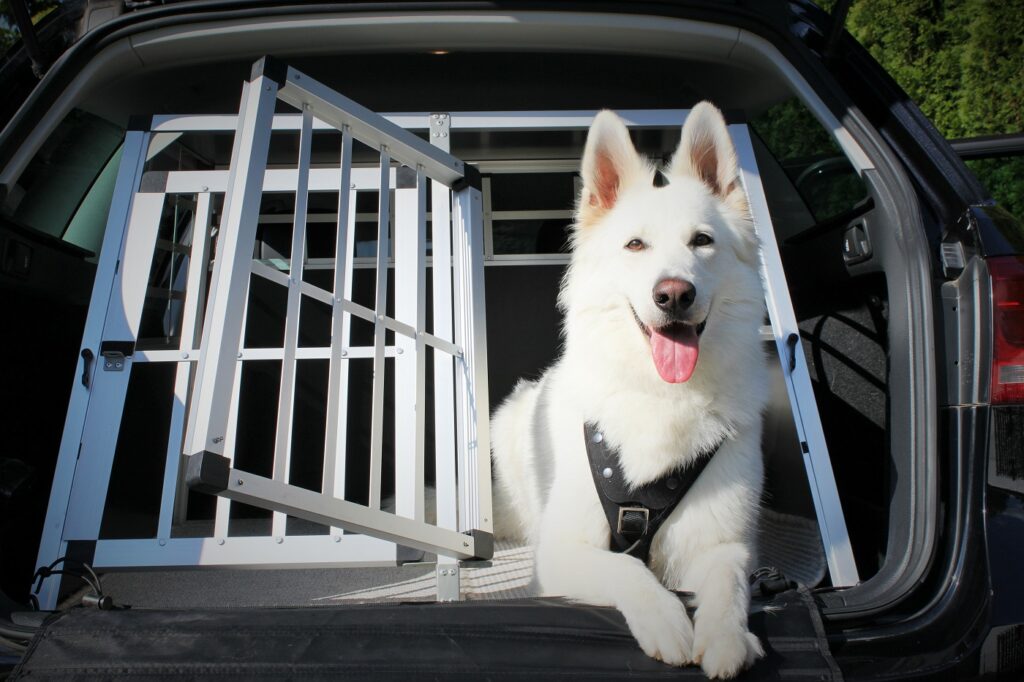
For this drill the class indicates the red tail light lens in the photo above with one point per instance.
(1007, 328)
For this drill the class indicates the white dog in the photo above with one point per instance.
(662, 303)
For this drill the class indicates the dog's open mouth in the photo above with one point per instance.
(674, 348)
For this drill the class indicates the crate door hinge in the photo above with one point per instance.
(114, 354)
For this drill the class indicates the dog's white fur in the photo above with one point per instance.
(544, 491)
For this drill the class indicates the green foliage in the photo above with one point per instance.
(9, 33)
(1004, 178)
(810, 157)
(962, 62)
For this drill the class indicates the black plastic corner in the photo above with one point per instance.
(409, 555)
(470, 178)
(154, 182)
(405, 178)
(82, 551)
(272, 68)
(208, 472)
(140, 123)
(483, 544)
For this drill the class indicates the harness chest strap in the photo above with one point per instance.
(635, 515)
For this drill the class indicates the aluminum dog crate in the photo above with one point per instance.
(209, 270)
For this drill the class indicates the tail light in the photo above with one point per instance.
(1007, 329)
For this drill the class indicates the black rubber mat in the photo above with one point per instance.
(511, 639)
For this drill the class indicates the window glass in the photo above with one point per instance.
(75, 168)
(822, 175)
(1003, 177)
(530, 213)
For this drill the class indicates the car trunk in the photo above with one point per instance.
(835, 202)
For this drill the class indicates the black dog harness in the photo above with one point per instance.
(634, 516)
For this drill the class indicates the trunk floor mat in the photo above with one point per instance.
(476, 640)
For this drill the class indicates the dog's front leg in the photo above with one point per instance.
(722, 643)
(583, 572)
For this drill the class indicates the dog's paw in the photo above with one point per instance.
(723, 654)
(662, 628)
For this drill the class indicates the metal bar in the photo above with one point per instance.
(461, 120)
(301, 353)
(380, 306)
(222, 512)
(321, 179)
(189, 326)
(222, 331)
(305, 504)
(286, 393)
(51, 545)
(446, 492)
(369, 127)
(488, 218)
(470, 328)
(124, 310)
(410, 243)
(296, 551)
(335, 445)
(831, 522)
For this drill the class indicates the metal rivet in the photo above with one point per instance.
(344, 353)
(220, 541)
(607, 473)
(205, 188)
(672, 483)
(241, 482)
(119, 365)
(465, 544)
(337, 538)
(185, 356)
(279, 540)
(597, 437)
(400, 350)
(239, 355)
(163, 543)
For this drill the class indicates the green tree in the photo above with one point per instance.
(9, 33)
(962, 61)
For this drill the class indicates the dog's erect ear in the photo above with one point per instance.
(706, 151)
(610, 163)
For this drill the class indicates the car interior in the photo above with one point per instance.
(833, 222)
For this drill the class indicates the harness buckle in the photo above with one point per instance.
(633, 520)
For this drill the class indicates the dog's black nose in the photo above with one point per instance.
(674, 296)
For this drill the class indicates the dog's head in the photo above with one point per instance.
(668, 259)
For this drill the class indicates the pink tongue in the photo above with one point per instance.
(675, 352)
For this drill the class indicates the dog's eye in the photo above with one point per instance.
(702, 239)
(636, 245)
